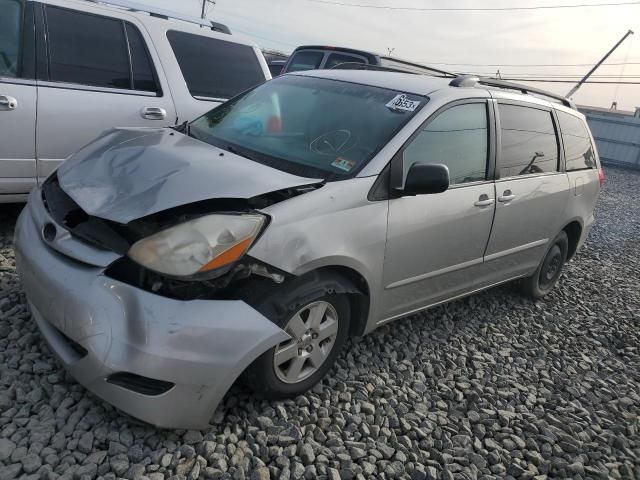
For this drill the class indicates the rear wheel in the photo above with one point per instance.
(317, 320)
(546, 276)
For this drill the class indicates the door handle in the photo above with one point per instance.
(154, 113)
(484, 201)
(8, 103)
(506, 197)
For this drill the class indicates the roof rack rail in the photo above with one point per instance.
(166, 14)
(417, 66)
(473, 80)
(381, 68)
(367, 66)
(492, 82)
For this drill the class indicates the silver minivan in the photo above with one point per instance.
(70, 69)
(161, 264)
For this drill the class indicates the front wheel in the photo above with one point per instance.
(317, 320)
(546, 276)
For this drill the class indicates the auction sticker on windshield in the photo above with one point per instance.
(401, 102)
(343, 164)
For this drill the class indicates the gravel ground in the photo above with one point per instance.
(491, 386)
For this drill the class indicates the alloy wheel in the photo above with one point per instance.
(313, 331)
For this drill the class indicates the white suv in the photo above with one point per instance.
(70, 69)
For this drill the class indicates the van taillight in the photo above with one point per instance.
(601, 176)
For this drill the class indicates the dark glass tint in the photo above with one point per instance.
(305, 60)
(87, 49)
(578, 149)
(457, 138)
(529, 142)
(10, 34)
(276, 69)
(338, 58)
(215, 68)
(307, 126)
(143, 74)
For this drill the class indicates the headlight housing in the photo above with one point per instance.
(199, 246)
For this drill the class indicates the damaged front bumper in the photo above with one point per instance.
(165, 361)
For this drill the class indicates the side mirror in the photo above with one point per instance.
(426, 178)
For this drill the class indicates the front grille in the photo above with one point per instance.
(140, 384)
(99, 233)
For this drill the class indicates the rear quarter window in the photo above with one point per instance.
(215, 68)
(578, 149)
(305, 60)
(336, 59)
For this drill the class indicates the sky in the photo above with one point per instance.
(470, 40)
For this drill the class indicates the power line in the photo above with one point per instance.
(549, 75)
(477, 9)
(544, 80)
(529, 65)
(265, 38)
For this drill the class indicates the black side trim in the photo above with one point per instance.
(140, 384)
(42, 62)
(73, 345)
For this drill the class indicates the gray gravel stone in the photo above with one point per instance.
(85, 444)
(119, 464)
(11, 471)
(89, 470)
(31, 463)
(491, 386)
(261, 473)
(6, 449)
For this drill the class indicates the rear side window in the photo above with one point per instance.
(338, 58)
(578, 149)
(305, 60)
(10, 33)
(457, 138)
(87, 49)
(529, 142)
(215, 68)
(143, 74)
(275, 69)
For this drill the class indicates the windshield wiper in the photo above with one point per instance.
(237, 151)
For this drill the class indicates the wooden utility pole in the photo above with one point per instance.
(602, 60)
(204, 4)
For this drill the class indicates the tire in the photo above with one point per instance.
(548, 272)
(272, 376)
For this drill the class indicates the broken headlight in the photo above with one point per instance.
(198, 246)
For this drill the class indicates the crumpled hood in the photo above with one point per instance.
(127, 174)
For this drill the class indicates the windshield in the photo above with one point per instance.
(309, 126)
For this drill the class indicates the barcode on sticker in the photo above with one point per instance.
(401, 102)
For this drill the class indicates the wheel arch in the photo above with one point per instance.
(350, 281)
(574, 232)
(359, 302)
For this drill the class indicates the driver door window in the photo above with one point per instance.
(436, 243)
(457, 138)
(10, 33)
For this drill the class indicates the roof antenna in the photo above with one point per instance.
(390, 51)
